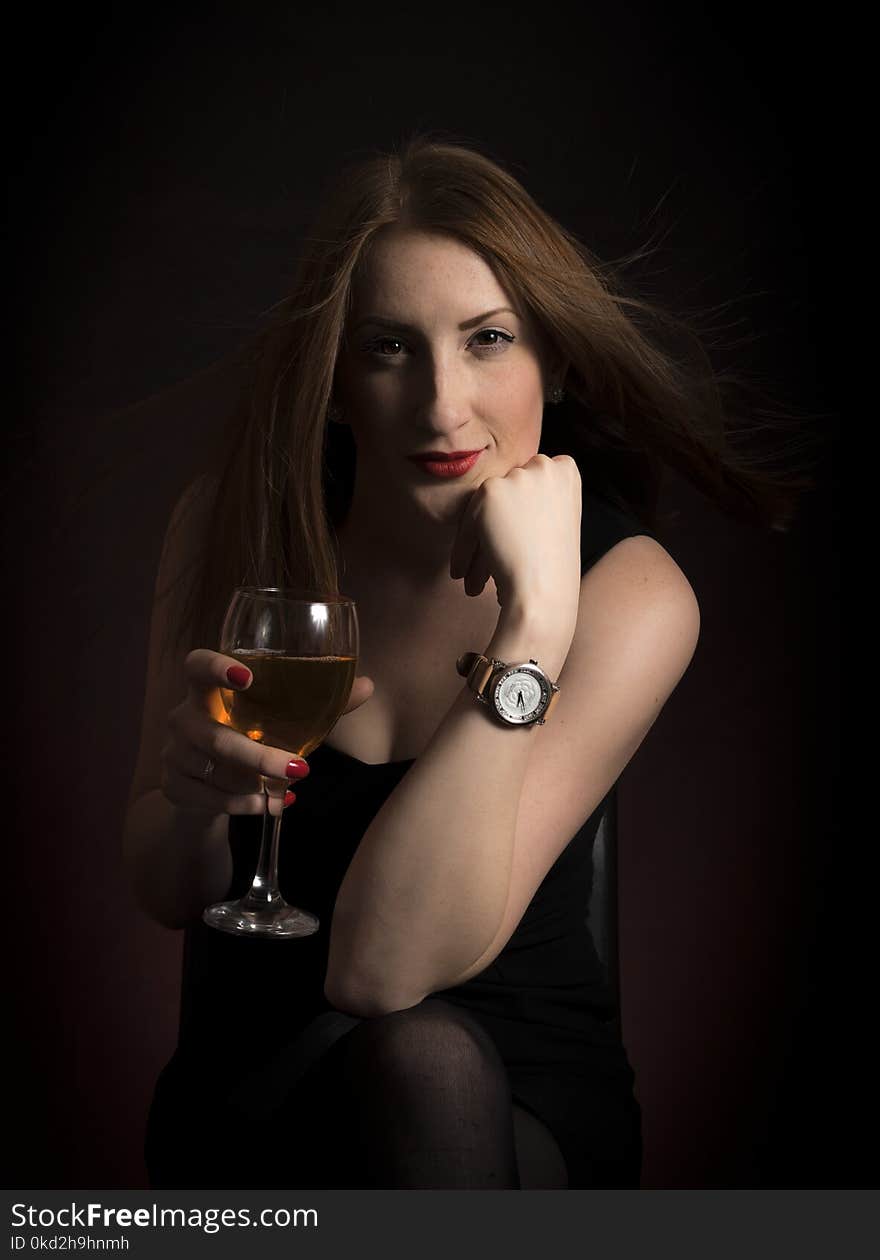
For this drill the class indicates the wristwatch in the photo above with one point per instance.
(518, 695)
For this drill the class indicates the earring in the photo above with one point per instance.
(557, 393)
(334, 414)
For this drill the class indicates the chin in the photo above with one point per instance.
(444, 507)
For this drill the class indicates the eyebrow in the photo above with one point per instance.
(383, 322)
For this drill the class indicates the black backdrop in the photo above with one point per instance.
(161, 170)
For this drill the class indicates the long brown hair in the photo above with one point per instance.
(641, 390)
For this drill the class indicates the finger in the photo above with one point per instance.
(216, 796)
(566, 465)
(466, 540)
(223, 744)
(191, 795)
(226, 776)
(477, 575)
(362, 688)
(207, 670)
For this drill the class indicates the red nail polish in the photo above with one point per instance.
(289, 798)
(297, 769)
(238, 675)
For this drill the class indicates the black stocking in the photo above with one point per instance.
(416, 1099)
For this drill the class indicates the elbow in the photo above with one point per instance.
(163, 916)
(360, 1007)
(143, 895)
(362, 987)
(366, 1002)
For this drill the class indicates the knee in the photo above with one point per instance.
(431, 1045)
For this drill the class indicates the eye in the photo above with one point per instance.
(493, 347)
(373, 346)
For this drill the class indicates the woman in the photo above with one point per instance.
(449, 1026)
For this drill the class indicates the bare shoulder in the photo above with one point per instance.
(637, 630)
(186, 530)
(194, 504)
(637, 579)
(640, 558)
(165, 681)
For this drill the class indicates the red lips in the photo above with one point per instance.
(447, 463)
(435, 455)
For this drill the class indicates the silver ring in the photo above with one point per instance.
(208, 771)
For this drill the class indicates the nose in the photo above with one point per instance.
(444, 400)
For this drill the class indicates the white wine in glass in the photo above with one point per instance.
(302, 649)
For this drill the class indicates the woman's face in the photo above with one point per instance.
(431, 363)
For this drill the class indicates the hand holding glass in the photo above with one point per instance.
(302, 649)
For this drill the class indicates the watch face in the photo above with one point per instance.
(521, 695)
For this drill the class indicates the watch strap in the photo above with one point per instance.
(477, 669)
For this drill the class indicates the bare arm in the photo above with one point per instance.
(175, 834)
(426, 890)
(177, 861)
(449, 864)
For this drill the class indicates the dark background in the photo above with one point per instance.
(162, 168)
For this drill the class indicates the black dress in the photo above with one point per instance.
(544, 1000)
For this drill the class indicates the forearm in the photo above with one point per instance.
(426, 891)
(178, 861)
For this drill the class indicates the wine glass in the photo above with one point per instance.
(302, 649)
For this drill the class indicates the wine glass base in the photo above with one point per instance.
(282, 923)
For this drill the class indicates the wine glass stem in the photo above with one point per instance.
(264, 894)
